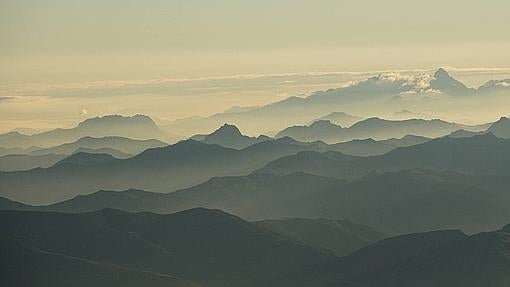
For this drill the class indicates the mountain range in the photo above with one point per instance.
(229, 136)
(338, 236)
(163, 169)
(115, 248)
(433, 259)
(25, 265)
(159, 247)
(339, 118)
(167, 168)
(501, 128)
(329, 198)
(485, 154)
(385, 92)
(118, 147)
(121, 144)
(16, 162)
(136, 127)
(395, 202)
(375, 128)
(190, 162)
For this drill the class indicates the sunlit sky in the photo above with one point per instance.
(72, 43)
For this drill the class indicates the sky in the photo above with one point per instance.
(54, 54)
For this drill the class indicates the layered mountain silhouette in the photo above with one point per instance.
(118, 147)
(500, 128)
(164, 169)
(375, 128)
(478, 154)
(230, 136)
(395, 202)
(136, 127)
(189, 163)
(209, 247)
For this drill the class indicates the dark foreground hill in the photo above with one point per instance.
(433, 259)
(24, 265)
(338, 236)
(210, 247)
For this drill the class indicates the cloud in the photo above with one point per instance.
(3, 99)
(179, 86)
(503, 84)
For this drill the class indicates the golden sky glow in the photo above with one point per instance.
(63, 42)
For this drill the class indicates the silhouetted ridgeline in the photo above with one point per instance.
(202, 247)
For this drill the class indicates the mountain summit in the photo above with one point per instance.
(229, 136)
(501, 128)
(447, 84)
(226, 130)
(134, 127)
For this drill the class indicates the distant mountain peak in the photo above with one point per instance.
(227, 130)
(339, 114)
(230, 136)
(324, 123)
(501, 128)
(116, 119)
(441, 73)
(445, 83)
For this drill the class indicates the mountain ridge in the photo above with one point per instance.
(137, 127)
